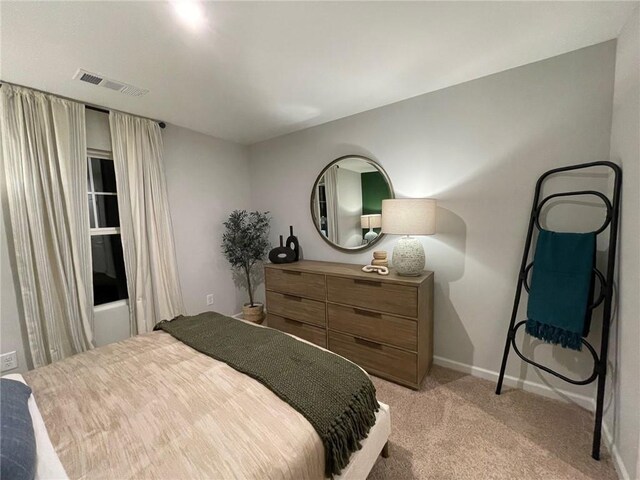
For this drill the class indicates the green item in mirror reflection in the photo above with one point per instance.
(374, 190)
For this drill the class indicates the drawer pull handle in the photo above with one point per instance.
(368, 282)
(293, 322)
(292, 297)
(366, 313)
(368, 343)
(291, 272)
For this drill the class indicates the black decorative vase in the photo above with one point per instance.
(293, 244)
(282, 254)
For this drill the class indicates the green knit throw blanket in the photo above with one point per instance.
(333, 394)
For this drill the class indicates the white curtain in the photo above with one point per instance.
(331, 192)
(45, 165)
(145, 222)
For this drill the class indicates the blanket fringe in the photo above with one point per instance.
(555, 335)
(346, 431)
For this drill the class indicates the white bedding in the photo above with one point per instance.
(49, 465)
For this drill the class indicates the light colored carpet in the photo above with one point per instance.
(455, 427)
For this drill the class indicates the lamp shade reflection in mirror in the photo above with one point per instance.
(346, 202)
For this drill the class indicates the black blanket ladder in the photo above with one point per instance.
(606, 287)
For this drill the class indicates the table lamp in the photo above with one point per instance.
(409, 216)
(370, 222)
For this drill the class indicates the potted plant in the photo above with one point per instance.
(245, 243)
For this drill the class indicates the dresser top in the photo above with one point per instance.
(348, 270)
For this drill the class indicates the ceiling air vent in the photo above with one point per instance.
(100, 81)
(87, 77)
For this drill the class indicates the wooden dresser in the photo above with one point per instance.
(382, 323)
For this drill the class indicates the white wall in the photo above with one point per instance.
(207, 179)
(622, 416)
(98, 130)
(478, 148)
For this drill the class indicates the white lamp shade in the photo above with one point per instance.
(371, 221)
(409, 216)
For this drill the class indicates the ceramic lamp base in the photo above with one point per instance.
(408, 257)
(370, 236)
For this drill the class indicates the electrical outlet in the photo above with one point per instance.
(8, 361)
(210, 299)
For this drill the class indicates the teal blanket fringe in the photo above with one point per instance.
(555, 335)
(561, 288)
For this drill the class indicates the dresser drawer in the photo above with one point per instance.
(310, 285)
(375, 358)
(307, 332)
(400, 332)
(296, 308)
(375, 295)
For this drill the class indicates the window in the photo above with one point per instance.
(109, 279)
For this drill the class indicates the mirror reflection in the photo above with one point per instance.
(346, 202)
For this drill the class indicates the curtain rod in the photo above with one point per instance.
(90, 106)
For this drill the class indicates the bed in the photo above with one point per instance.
(152, 407)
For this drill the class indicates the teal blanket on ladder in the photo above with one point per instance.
(561, 288)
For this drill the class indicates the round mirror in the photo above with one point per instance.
(346, 202)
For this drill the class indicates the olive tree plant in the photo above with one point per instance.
(245, 242)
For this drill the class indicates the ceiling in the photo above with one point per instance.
(255, 71)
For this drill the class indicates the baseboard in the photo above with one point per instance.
(607, 437)
(527, 385)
